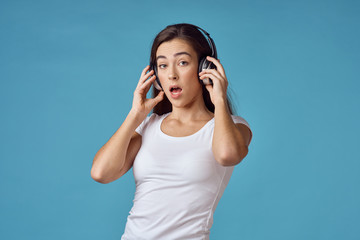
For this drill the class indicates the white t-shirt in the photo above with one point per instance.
(178, 184)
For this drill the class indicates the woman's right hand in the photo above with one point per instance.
(142, 105)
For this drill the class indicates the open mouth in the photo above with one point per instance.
(175, 91)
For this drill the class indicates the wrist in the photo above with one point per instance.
(136, 116)
(221, 106)
(221, 103)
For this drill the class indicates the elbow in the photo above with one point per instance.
(232, 157)
(97, 176)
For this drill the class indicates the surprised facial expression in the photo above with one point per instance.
(177, 68)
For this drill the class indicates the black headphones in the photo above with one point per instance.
(203, 63)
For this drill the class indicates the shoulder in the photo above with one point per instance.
(150, 120)
(153, 117)
(240, 120)
(243, 126)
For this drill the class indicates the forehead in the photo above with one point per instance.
(173, 46)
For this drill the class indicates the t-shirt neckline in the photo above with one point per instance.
(184, 137)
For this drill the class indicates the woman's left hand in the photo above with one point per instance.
(219, 88)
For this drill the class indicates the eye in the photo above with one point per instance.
(161, 66)
(183, 63)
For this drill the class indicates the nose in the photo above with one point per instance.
(172, 75)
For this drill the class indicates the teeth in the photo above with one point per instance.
(174, 88)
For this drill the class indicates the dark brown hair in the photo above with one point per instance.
(192, 35)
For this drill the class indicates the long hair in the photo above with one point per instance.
(192, 35)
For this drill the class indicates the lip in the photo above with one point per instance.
(175, 95)
(174, 86)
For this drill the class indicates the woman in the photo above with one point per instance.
(184, 153)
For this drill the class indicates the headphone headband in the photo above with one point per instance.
(210, 41)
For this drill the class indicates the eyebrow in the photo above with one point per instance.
(176, 54)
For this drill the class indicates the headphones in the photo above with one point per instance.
(203, 63)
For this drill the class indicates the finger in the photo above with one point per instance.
(142, 74)
(147, 84)
(147, 75)
(143, 78)
(145, 70)
(211, 76)
(144, 88)
(159, 97)
(217, 63)
(154, 101)
(209, 88)
(212, 71)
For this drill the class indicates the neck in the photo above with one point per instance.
(194, 112)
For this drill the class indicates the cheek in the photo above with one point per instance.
(191, 73)
(162, 78)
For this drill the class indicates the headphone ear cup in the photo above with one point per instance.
(201, 64)
(205, 64)
(156, 83)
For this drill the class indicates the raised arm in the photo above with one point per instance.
(116, 157)
(230, 140)
(118, 151)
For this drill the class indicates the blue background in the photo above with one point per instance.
(68, 70)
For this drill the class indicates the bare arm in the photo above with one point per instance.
(230, 140)
(116, 157)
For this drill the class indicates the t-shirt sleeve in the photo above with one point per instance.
(140, 128)
(238, 119)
